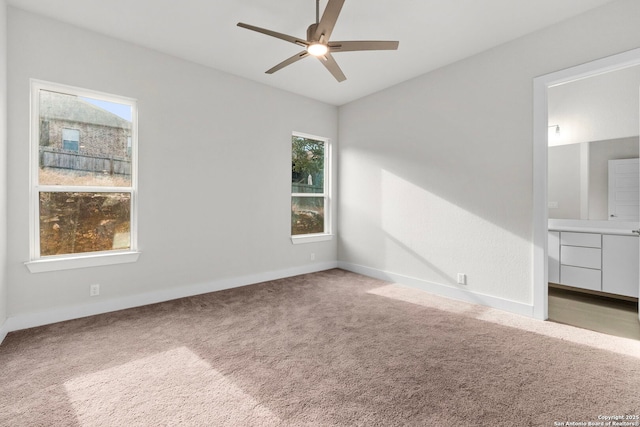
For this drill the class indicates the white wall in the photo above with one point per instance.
(436, 173)
(597, 108)
(3, 166)
(214, 181)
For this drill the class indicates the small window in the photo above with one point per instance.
(310, 195)
(83, 192)
(70, 139)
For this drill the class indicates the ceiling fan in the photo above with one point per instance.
(318, 44)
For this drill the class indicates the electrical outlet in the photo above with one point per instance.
(313, 256)
(462, 279)
(94, 290)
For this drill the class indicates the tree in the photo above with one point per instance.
(307, 158)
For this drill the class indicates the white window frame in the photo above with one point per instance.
(327, 185)
(38, 263)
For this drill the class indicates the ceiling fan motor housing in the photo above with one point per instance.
(311, 33)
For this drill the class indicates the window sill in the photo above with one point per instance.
(82, 261)
(310, 238)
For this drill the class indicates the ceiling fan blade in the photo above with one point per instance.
(289, 61)
(351, 46)
(275, 34)
(333, 67)
(329, 18)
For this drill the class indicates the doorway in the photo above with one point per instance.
(541, 163)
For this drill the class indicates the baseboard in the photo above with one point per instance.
(442, 290)
(31, 320)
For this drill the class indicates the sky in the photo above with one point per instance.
(121, 110)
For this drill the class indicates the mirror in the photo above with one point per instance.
(594, 121)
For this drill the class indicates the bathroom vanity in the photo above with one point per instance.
(595, 255)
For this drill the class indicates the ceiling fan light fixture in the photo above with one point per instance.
(317, 49)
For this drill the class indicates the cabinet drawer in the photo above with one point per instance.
(581, 257)
(590, 240)
(585, 278)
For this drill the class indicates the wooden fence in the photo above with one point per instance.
(305, 188)
(53, 158)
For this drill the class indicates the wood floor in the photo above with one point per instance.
(597, 313)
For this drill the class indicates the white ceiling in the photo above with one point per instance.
(432, 33)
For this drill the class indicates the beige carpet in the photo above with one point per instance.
(330, 348)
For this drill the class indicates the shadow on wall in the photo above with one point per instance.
(422, 234)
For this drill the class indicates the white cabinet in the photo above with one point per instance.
(585, 278)
(578, 256)
(581, 260)
(620, 265)
(554, 256)
(595, 261)
(587, 240)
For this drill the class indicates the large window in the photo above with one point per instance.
(83, 173)
(310, 186)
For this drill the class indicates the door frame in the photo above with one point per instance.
(540, 161)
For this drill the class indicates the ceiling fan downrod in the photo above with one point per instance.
(312, 28)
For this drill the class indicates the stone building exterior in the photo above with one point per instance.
(70, 124)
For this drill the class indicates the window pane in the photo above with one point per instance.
(70, 139)
(307, 215)
(84, 141)
(307, 165)
(72, 223)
